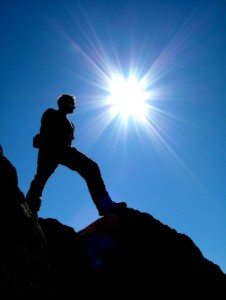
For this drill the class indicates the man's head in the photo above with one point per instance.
(66, 103)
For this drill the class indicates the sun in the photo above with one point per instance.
(128, 98)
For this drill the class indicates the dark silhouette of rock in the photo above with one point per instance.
(132, 246)
(62, 248)
(127, 254)
(24, 266)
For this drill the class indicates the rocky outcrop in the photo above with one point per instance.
(125, 254)
(132, 247)
(24, 266)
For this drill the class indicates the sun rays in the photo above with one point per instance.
(129, 99)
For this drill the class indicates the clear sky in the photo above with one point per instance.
(171, 164)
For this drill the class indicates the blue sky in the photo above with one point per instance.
(171, 166)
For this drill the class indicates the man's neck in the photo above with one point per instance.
(63, 112)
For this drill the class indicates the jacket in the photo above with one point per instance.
(56, 130)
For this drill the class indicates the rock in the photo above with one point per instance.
(131, 246)
(24, 266)
(121, 255)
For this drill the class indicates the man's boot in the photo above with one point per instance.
(107, 206)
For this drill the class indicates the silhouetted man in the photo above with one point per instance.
(54, 143)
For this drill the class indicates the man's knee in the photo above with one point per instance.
(88, 163)
(93, 166)
(90, 170)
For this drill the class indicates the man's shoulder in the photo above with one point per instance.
(50, 113)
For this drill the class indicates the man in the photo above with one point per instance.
(54, 143)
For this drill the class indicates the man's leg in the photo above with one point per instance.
(90, 171)
(46, 166)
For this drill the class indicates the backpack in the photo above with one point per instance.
(37, 140)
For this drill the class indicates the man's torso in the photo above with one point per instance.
(56, 130)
